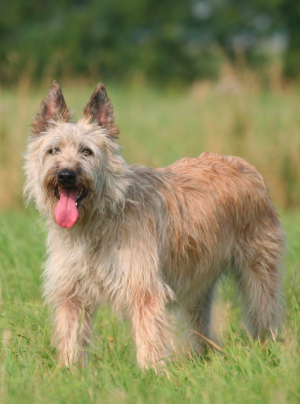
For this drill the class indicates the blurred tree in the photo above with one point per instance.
(164, 40)
(289, 12)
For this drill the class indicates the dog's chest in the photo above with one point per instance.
(81, 268)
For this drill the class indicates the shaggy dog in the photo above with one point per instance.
(145, 239)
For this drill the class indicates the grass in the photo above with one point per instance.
(157, 128)
(243, 372)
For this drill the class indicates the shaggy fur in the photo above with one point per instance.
(146, 238)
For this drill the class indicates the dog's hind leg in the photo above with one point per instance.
(72, 327)
(257, 263)
(197, 317)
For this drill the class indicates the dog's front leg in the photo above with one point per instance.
(72, 326)
(145, 295)
(151, 329)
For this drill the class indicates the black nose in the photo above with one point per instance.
(66, 177)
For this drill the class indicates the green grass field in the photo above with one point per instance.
(243, 372)
(156, 129)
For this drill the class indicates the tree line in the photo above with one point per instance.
(163, 40)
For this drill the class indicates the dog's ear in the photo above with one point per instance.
(99, 109)
(53, 108)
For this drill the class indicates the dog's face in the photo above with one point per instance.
(69, 165)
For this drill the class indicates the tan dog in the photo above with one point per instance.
(141, 238)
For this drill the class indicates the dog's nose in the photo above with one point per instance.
(66, 177)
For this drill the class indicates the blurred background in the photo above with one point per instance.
(185, 76)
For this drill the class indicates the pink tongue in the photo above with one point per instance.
(66, 212)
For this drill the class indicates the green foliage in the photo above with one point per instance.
(162, 40)
(290, 17)
(243, 372)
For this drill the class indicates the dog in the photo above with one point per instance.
(146, 240)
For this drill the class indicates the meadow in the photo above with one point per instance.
(234, 116)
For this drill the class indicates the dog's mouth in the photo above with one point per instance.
(69, 200)
(82, 192)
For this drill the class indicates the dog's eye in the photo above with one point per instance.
(86, 152)
(54, 150)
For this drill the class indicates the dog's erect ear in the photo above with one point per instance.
(52, 108)
(100, 110)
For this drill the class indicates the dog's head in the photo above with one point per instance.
(73, 168)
